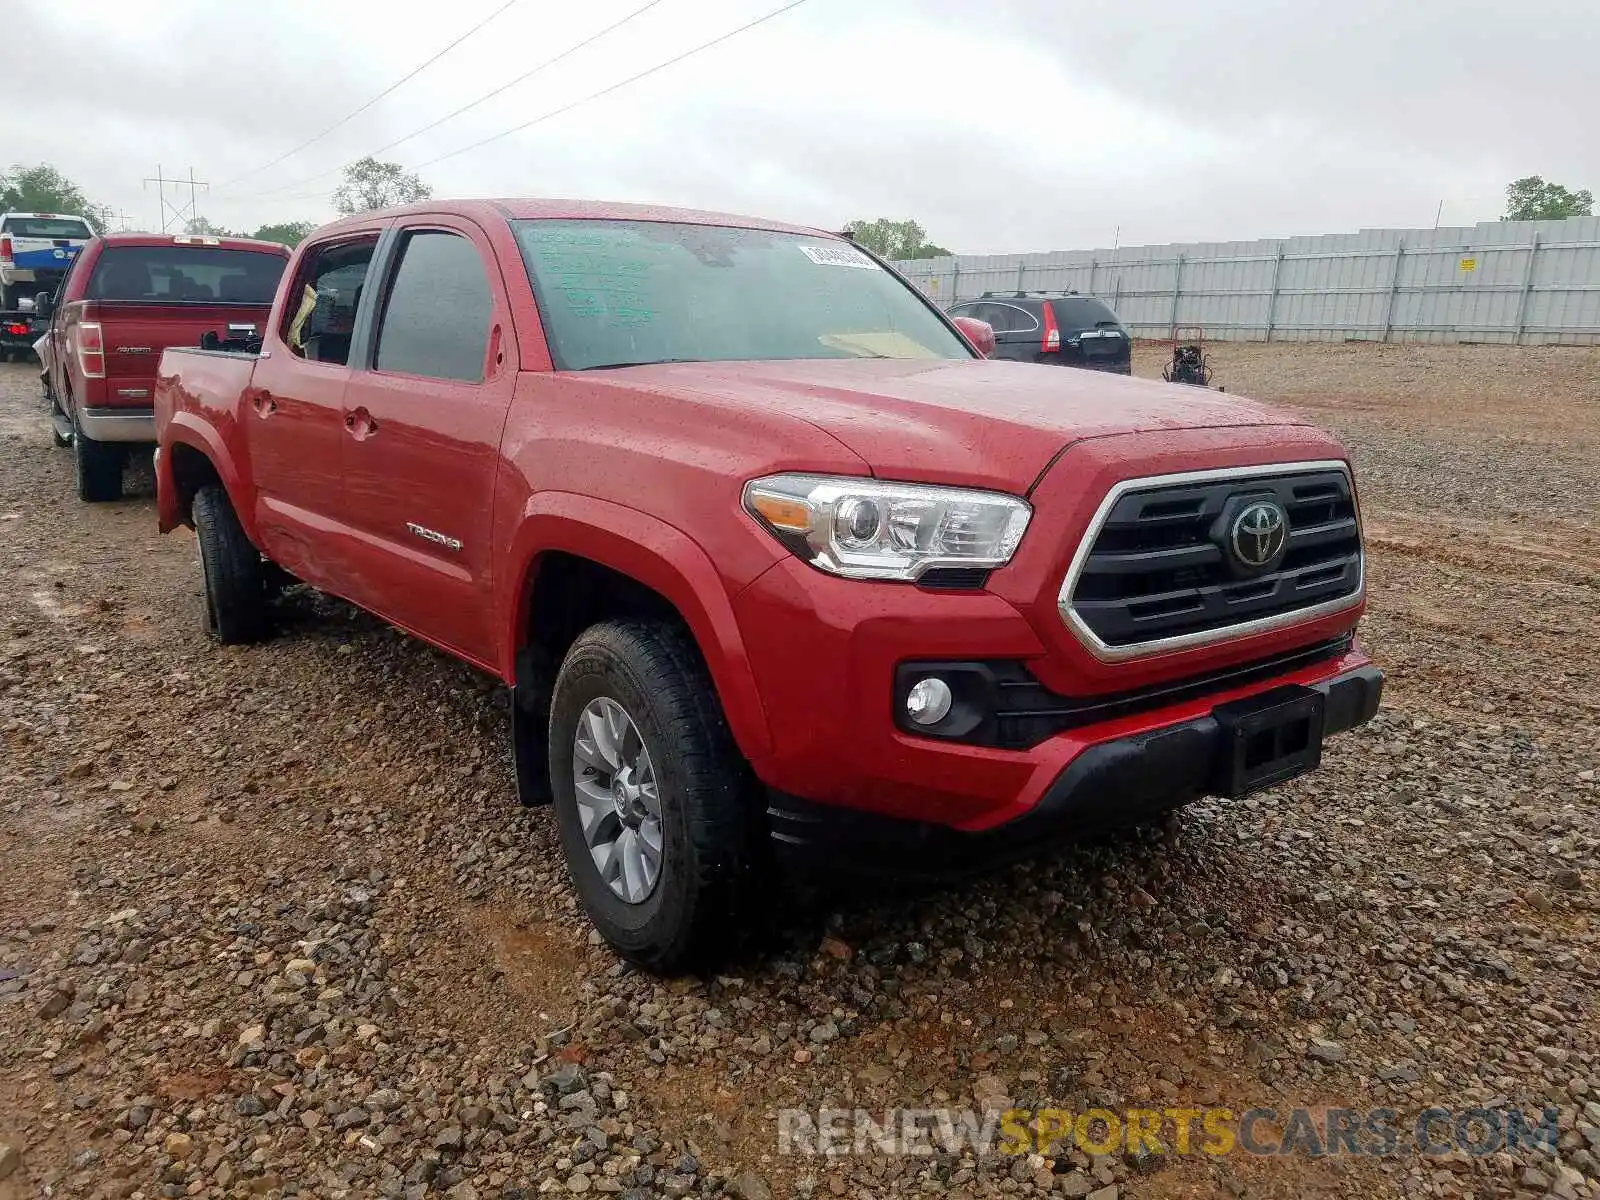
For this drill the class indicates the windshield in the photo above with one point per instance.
(46, 227)
(618, 293)
(186, 275)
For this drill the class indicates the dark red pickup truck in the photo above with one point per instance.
(125, 299)
(771, 557)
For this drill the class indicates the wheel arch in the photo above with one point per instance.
(190, 457)
(563, 536)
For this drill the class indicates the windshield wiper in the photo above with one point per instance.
(644, 362)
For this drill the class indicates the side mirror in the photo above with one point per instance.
(44, 305)
(979, 333)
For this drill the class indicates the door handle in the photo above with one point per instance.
(264, 403)
(359, 424)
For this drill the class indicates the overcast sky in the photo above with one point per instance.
(1000, 126)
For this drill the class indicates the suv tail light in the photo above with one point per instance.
(5, 247)
(91, 350)
(1052, 331)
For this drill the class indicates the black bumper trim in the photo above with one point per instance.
(1109, 785)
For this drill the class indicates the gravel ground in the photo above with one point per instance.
(271, 925)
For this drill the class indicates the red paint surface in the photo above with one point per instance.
(642, 470)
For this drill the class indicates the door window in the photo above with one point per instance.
(1011, 318)
(436, 317)
(321, 314)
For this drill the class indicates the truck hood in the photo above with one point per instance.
(974, 422)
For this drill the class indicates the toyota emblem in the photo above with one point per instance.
(1259, 533)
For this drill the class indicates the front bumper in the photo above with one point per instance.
(825, 652)
(1108, 785)
(118, 424)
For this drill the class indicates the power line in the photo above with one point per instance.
(777, 12)
(526, 75)
(358, 111)
(175, 211)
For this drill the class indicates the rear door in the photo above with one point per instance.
(294, 409)
(422, 430)
(1091, 334)
(1016, 330)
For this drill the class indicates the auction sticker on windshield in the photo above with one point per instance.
(837, 256)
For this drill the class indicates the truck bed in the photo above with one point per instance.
(212, 382)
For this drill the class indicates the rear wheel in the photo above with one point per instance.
(651, 796)
(233, 570)
(99, 467)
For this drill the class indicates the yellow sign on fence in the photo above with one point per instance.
(1469, 264)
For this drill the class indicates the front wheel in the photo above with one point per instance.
(651, 796)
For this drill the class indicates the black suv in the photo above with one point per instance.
(1053, 327)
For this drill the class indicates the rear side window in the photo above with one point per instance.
(46, 227)
(320, 314)
(185, 275)
(1077, 313)
(1012, 318)
(1002, 318)
(436, 320)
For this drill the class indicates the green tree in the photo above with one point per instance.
(1532, 199)
(370, 184)
(895, 239)
(42, 188)
(285, 233)
(205, 227)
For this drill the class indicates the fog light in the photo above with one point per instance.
(928, 701)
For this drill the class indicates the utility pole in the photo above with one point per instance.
(174, 211)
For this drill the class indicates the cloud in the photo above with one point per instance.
(1003, 126)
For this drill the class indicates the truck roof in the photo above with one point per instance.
(529, 208)
(191, 239)
(47, 216)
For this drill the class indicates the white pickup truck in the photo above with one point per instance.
(35, 251)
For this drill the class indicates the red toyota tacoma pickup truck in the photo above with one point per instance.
(770, 556)
(125, 299)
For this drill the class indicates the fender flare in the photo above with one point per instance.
(184, 429)
(657, 555)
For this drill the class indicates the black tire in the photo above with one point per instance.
(9, 295)
(701, 904)
(99, 468)
(234, 573)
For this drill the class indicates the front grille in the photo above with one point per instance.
(1160, 568)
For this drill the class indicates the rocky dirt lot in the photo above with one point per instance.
(271, 925)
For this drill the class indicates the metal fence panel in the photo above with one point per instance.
(1523, 282)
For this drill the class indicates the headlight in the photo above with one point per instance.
(864, 529)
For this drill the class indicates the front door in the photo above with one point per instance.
(293, 410)
(421, 436)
